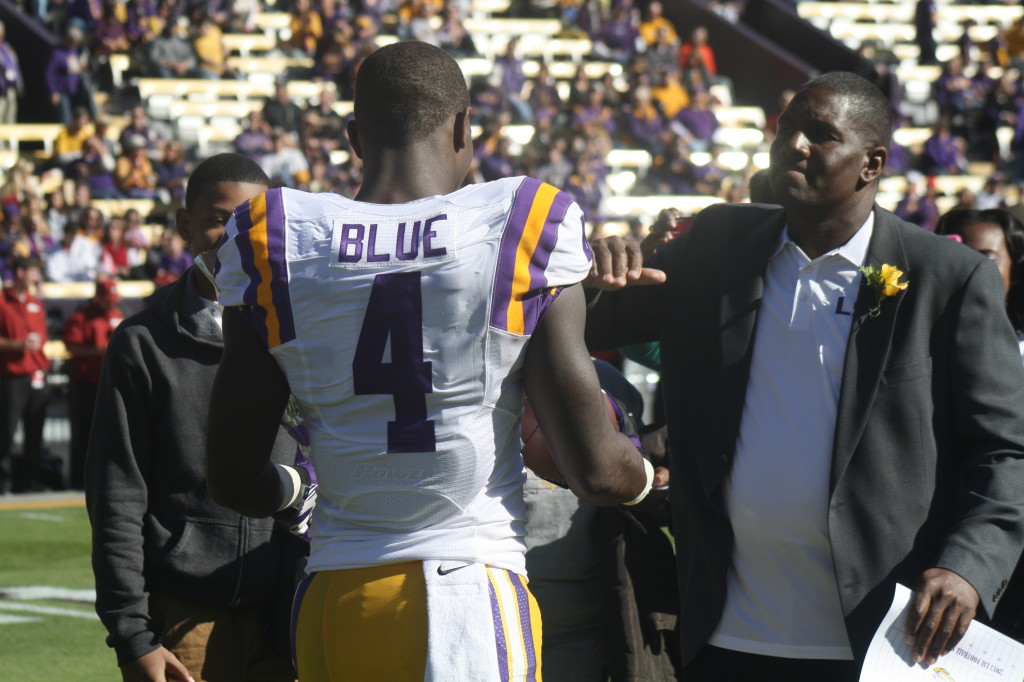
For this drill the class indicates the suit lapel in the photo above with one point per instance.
(868, 346)
(740, 287)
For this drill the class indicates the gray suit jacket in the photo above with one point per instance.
(928, 456)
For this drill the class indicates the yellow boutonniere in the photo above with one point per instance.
(885, 282)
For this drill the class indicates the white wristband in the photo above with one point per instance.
(291, 484)
(649, 470)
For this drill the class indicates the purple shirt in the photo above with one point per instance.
(494, 167)
(941, 153)
(700, 122)
(925, 214)
(512, 78)
(10, 72)
(59, 78)
(176, 265)
(645, 130)
(253, 144)
(619, 34)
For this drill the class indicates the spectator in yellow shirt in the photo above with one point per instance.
(307, 30)
(210, 51)
(654, 21)
(669, 92)
(69, 142)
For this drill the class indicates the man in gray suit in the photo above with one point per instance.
(829, 438)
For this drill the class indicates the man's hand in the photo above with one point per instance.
(158, 665)
(943, 607)
(661, 231)
(618, 263)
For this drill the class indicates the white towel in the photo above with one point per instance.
(476, 619)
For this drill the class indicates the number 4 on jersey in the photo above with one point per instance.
(395, 311)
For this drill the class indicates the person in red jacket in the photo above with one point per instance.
(86, 334)
(23, 366)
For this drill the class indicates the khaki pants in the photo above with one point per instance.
(218, 644)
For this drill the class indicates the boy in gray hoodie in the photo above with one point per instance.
(185, 587)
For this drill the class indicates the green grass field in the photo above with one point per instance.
(50, 633)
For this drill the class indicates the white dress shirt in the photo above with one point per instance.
(781, 597)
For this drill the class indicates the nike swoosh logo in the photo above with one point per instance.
(441, 570)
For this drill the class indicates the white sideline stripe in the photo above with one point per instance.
(30, 592)
(47, 610)
(11, 620)
(39, 516)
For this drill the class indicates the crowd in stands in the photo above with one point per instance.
(663, 101)
(658, 91)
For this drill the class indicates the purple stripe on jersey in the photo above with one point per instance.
(254, 315)
(257, 319)
(243, 220)
(300, 594)
(278, 264)
(505, 270)
(221, 241)
(525, 624)
(535, 306)
(499, 632)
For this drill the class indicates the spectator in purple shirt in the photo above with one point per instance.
(672, 171)
(171, 171)
(586, 188)
(699, 121)
(617, 38)
(141, 14)
(140, 127)
(498, 163)
(543, 83)
(954, 91)
(85, 14)
(96, 168)
(943, 152)
(67, 77)
(594, 114)
(174, 258)
(513, 82)
(11, 84)
(917, 208)
(643, 122)
(255, 141)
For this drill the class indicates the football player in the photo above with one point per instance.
(407, 323)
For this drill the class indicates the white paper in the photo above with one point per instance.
(983, 655)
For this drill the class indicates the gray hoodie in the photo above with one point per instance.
(155, 528)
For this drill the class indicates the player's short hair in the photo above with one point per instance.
(227, 167)
(869, 111)
(404, 91)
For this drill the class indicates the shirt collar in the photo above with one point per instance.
(855, 250)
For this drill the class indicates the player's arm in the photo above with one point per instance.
(600, 465)
(249, 396)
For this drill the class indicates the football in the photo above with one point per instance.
(536, 455)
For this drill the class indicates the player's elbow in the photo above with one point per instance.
(599, 490)
(610, 479)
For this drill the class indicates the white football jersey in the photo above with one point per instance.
(402, 331)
